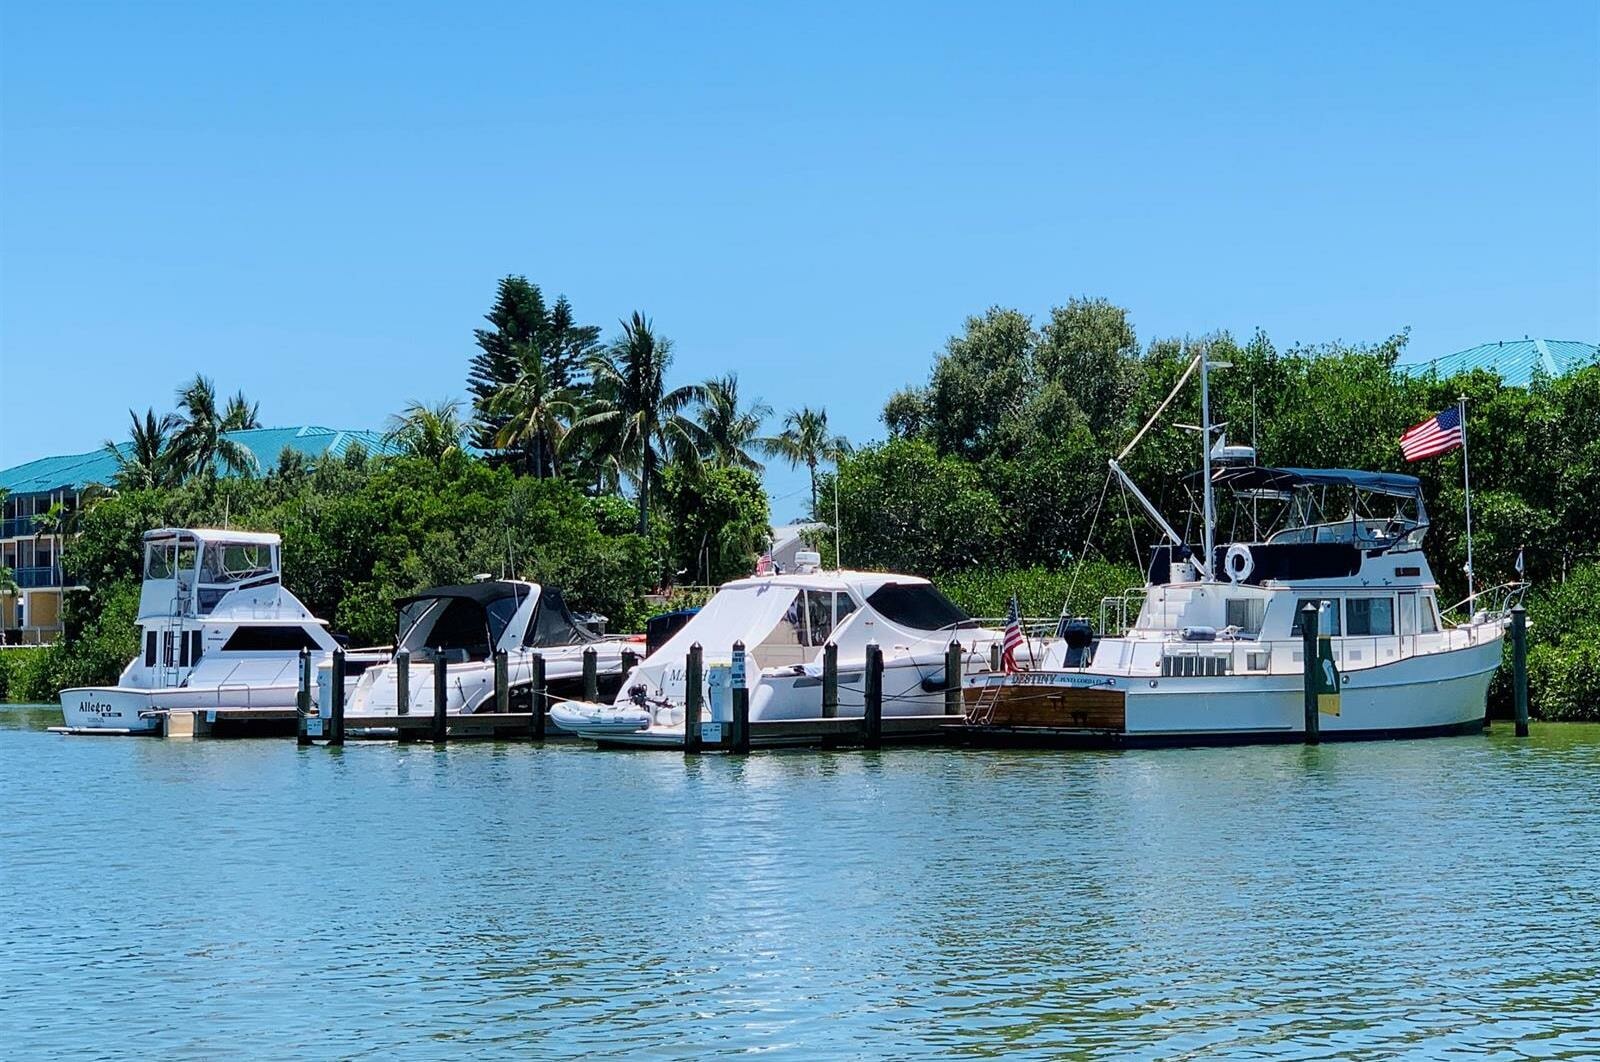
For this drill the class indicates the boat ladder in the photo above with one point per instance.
(982, 711)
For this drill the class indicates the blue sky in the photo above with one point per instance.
(313, 202)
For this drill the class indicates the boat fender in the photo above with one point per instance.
(1239, 562)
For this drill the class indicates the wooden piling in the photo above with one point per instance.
(336, 692)
(830, 681)
(591, 675)
(952, 678)
(741, 701)
(441, 697)
(538, 697)
(502, 683)
(1308, 647)
(693, 695)
(302, 700)
(872, 717)
(630, 660)
(402, 682)
(1519, 666)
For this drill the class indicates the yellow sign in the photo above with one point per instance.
(1327, 676)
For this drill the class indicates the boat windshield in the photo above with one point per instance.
(919, 606)
(1329, 513)
(234, 562)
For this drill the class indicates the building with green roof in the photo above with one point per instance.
(33, 612)
(1516, 360)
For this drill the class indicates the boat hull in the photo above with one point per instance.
(132, 710)
(1425, 696)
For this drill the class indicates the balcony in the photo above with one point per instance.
(35, 578)
(17, 527)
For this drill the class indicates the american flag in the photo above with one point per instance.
(1439, 434)
(1011, 641)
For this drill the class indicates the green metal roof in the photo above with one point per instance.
(76, 471)
(1516, 360)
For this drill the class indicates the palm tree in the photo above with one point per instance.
(241, 414)
(534, 409)
(148, 463)
(200, 442)
(633, 418)
(730, 431)
(433, 433)
(805, 441)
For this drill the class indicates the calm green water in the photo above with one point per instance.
(243, 899)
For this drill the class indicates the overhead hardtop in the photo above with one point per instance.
(1261, 477)
(205, 535)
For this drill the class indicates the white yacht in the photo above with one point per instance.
(465, 625)
(784, 622)
(1215, 651)
(217, 630)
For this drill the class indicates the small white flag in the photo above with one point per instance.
(1519, 560)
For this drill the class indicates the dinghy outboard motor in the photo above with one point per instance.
(1079, 637)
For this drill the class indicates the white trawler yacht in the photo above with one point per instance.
(784, 622)
(217, 630)
(1215, 654)
(465, 625)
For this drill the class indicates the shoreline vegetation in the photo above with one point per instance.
(587, 465)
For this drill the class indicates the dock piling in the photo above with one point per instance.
(872, 717)
(830, 681)
(591, 675)
(441, 697)
(336, 693)
(952, 678)
(1519, 666)
(693, 694)
(630, 660)
(1308, 646)
(741, 701)
(402, 682)
(502, 683)
(538, 697)
(302, 700)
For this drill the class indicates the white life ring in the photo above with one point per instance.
(1239, 562)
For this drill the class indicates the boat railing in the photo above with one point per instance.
(1283, 656)
(1502, 598)
(1115, 611)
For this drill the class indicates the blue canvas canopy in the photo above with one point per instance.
(1257, 477)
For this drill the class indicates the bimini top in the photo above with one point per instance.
(1257, 477)
(484, 593)
(478, 615)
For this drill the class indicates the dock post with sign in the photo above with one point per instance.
(302, 703)
(1519, 667)
(741, 701)
(1308, 650)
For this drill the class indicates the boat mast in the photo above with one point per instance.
(1205, 451)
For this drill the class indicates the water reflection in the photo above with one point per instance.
(1418, 898)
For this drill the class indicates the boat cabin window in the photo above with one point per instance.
(160, 560)
(235, 562)
(1430, 616)
(1327, 616)
(460, 626)
(919, 606)
(500, 613)
(1369, 616)
(1245, 613)
(824, 612)
(269, 640)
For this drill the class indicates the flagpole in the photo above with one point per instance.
(1466, 484)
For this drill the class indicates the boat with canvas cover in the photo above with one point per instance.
(1215, 653)
(784, 621)
(218, 629)
(465, 625)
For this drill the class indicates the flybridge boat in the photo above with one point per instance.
(1215, 652)
(217, 630)
(784, 622)
(465, 625)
